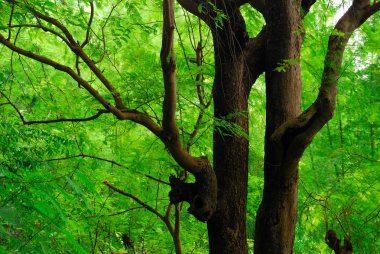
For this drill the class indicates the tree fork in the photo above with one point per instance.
(288, 135)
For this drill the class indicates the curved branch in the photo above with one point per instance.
(163, 218)
(78, 50)
(10, 21)
(306, 5)
(203, 203)
(191, 6)
(54, 22)
(87, 40)
(202, 195)
(45, 29)
(168, 64)
(59, 120)
(82, 155)
(157, 179)
(184, 159)
(170, 129)
(25, 122)
(103, 38)
(297, 133)
(254, 54)
(200, 8)
(254, 51)
(62, 68)
(137, 200)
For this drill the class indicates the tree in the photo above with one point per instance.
(219, 193)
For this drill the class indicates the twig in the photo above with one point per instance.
(10, 21)
(87, 156)
(44, 28)
(25, 122)
(87, 40)
(137, 200)
(157, 180)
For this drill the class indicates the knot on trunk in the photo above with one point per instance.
(201, 195)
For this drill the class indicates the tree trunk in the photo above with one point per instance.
(227, 227)
(276, 216)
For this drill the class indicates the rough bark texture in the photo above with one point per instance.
(227, 228)
(288, 133)
(201, 195)
(227, 232)
(276, 217)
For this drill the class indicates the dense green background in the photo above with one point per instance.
(62, 206)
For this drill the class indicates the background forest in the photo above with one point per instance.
(52, 195)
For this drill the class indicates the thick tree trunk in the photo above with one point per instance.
(227, 227)
(276, 216)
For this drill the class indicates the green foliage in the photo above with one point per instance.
(285, 64)
(52, 197)
(226, 126)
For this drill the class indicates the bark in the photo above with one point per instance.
(276, 216)
(203, 193)
(287, 135)
(227, 227)
(227, 233)
(334, 243)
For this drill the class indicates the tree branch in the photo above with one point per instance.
(200, 8)
(157, 180)
(25, 122)
(254, 54)
(297, 133)
(82, 155)
(190, 6)
(306, 5)
(170, 129)
(124, 114)
(87, 40)
(65, 69)
(334, 243)
(163, 218)
(255, 48)
(193, 134)
(103, 39)
(78, 50)
(45, 29)
(54, 22)
(137, 200)
(199, 77)
(168, 64)
(10, 21)
(206, 186)
(184, 159)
